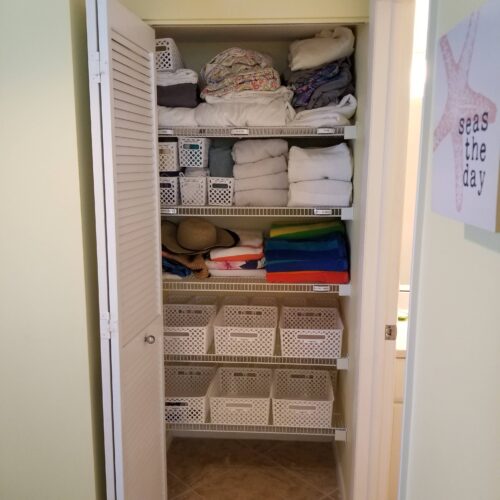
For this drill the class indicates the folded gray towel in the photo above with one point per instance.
(220, 160)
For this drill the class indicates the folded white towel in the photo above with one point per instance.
(237, 251)
(322, 193)
(273, 181)
(238, 273)
(253, 150)
(249, 238)
(262, 167)
(309, 164)
(282, 94)
(325, 47)
(168, 78)
(327, 116)
(176, 117)
(261, 198)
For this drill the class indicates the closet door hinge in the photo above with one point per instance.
(108, 327)
(391, 332)
(95, 67)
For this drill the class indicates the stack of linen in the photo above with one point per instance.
(320, 77)
(320, 176)
(245, 260)
(177, 88)
(307, 253)
(260, 173)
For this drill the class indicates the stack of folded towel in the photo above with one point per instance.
(260, 173)
(245, 260)
(177, 88)
(320, 176)
(307, 253)
(320, 76)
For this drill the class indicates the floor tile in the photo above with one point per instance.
(313, 462)
(259, 445)
(189, 495)
(175, 486)
(254, 483)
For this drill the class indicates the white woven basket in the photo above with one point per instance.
(169, 191)
(188, 328)
(168, 157)
(186, 389)
(220, 191)
(193, 152)
(240, 396)
(246, 330)
(310, 332)
(302, 398)
(193, 190)
(167, 56)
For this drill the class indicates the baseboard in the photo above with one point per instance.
(340, 475)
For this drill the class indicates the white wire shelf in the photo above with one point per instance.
(191, 284)
(338, 431)
(345, 213)
(211, 357)
(344, 131)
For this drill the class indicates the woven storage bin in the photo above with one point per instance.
(188, 328)
(193, 190)
(168, 157)
(186, 397)
(193, 152)
(169, 191)
(246, 330)
(220, 191)
(302, 398)
(167, 56)
(241, 396)
(310, 332)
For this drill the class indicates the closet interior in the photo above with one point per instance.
(297, 385)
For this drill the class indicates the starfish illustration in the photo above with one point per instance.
(462, 101)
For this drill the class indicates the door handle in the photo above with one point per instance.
(150, 339)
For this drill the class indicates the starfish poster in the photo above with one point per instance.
(466, 136)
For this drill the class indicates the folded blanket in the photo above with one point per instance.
(168, 78)
(327, 116)
(273, 181)
(305, 231)
(243, 115)
(319, 87)
(236, 264)
(252, 150)
(276, 255)
(249, 238)
(259, 168)
(176, 117)
(194, 262)
(238, 273)
(282, 94)
(183, 95)
(331, 242)
(334, 162)
(308, 265)
(238, 252)
(331, 277)
(261, 198)
(220, 161)
(320, 193)
(325, 47)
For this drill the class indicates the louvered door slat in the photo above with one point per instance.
(132, 262)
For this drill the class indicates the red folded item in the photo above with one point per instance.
(243, 256)
(331, 277)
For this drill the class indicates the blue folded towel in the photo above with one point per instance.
(330, 242)
(308, 265)
(170, 266)
(271, 255)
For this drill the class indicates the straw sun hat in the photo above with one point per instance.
(195, 235)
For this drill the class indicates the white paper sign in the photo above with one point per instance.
(465, 179)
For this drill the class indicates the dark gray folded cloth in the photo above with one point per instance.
(182, 95)
(220, 161)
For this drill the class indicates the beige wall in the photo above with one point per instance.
(453, 447)
(50, 431)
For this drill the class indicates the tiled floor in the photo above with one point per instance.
(223, 469)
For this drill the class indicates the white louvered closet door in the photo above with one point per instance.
(124, 135)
